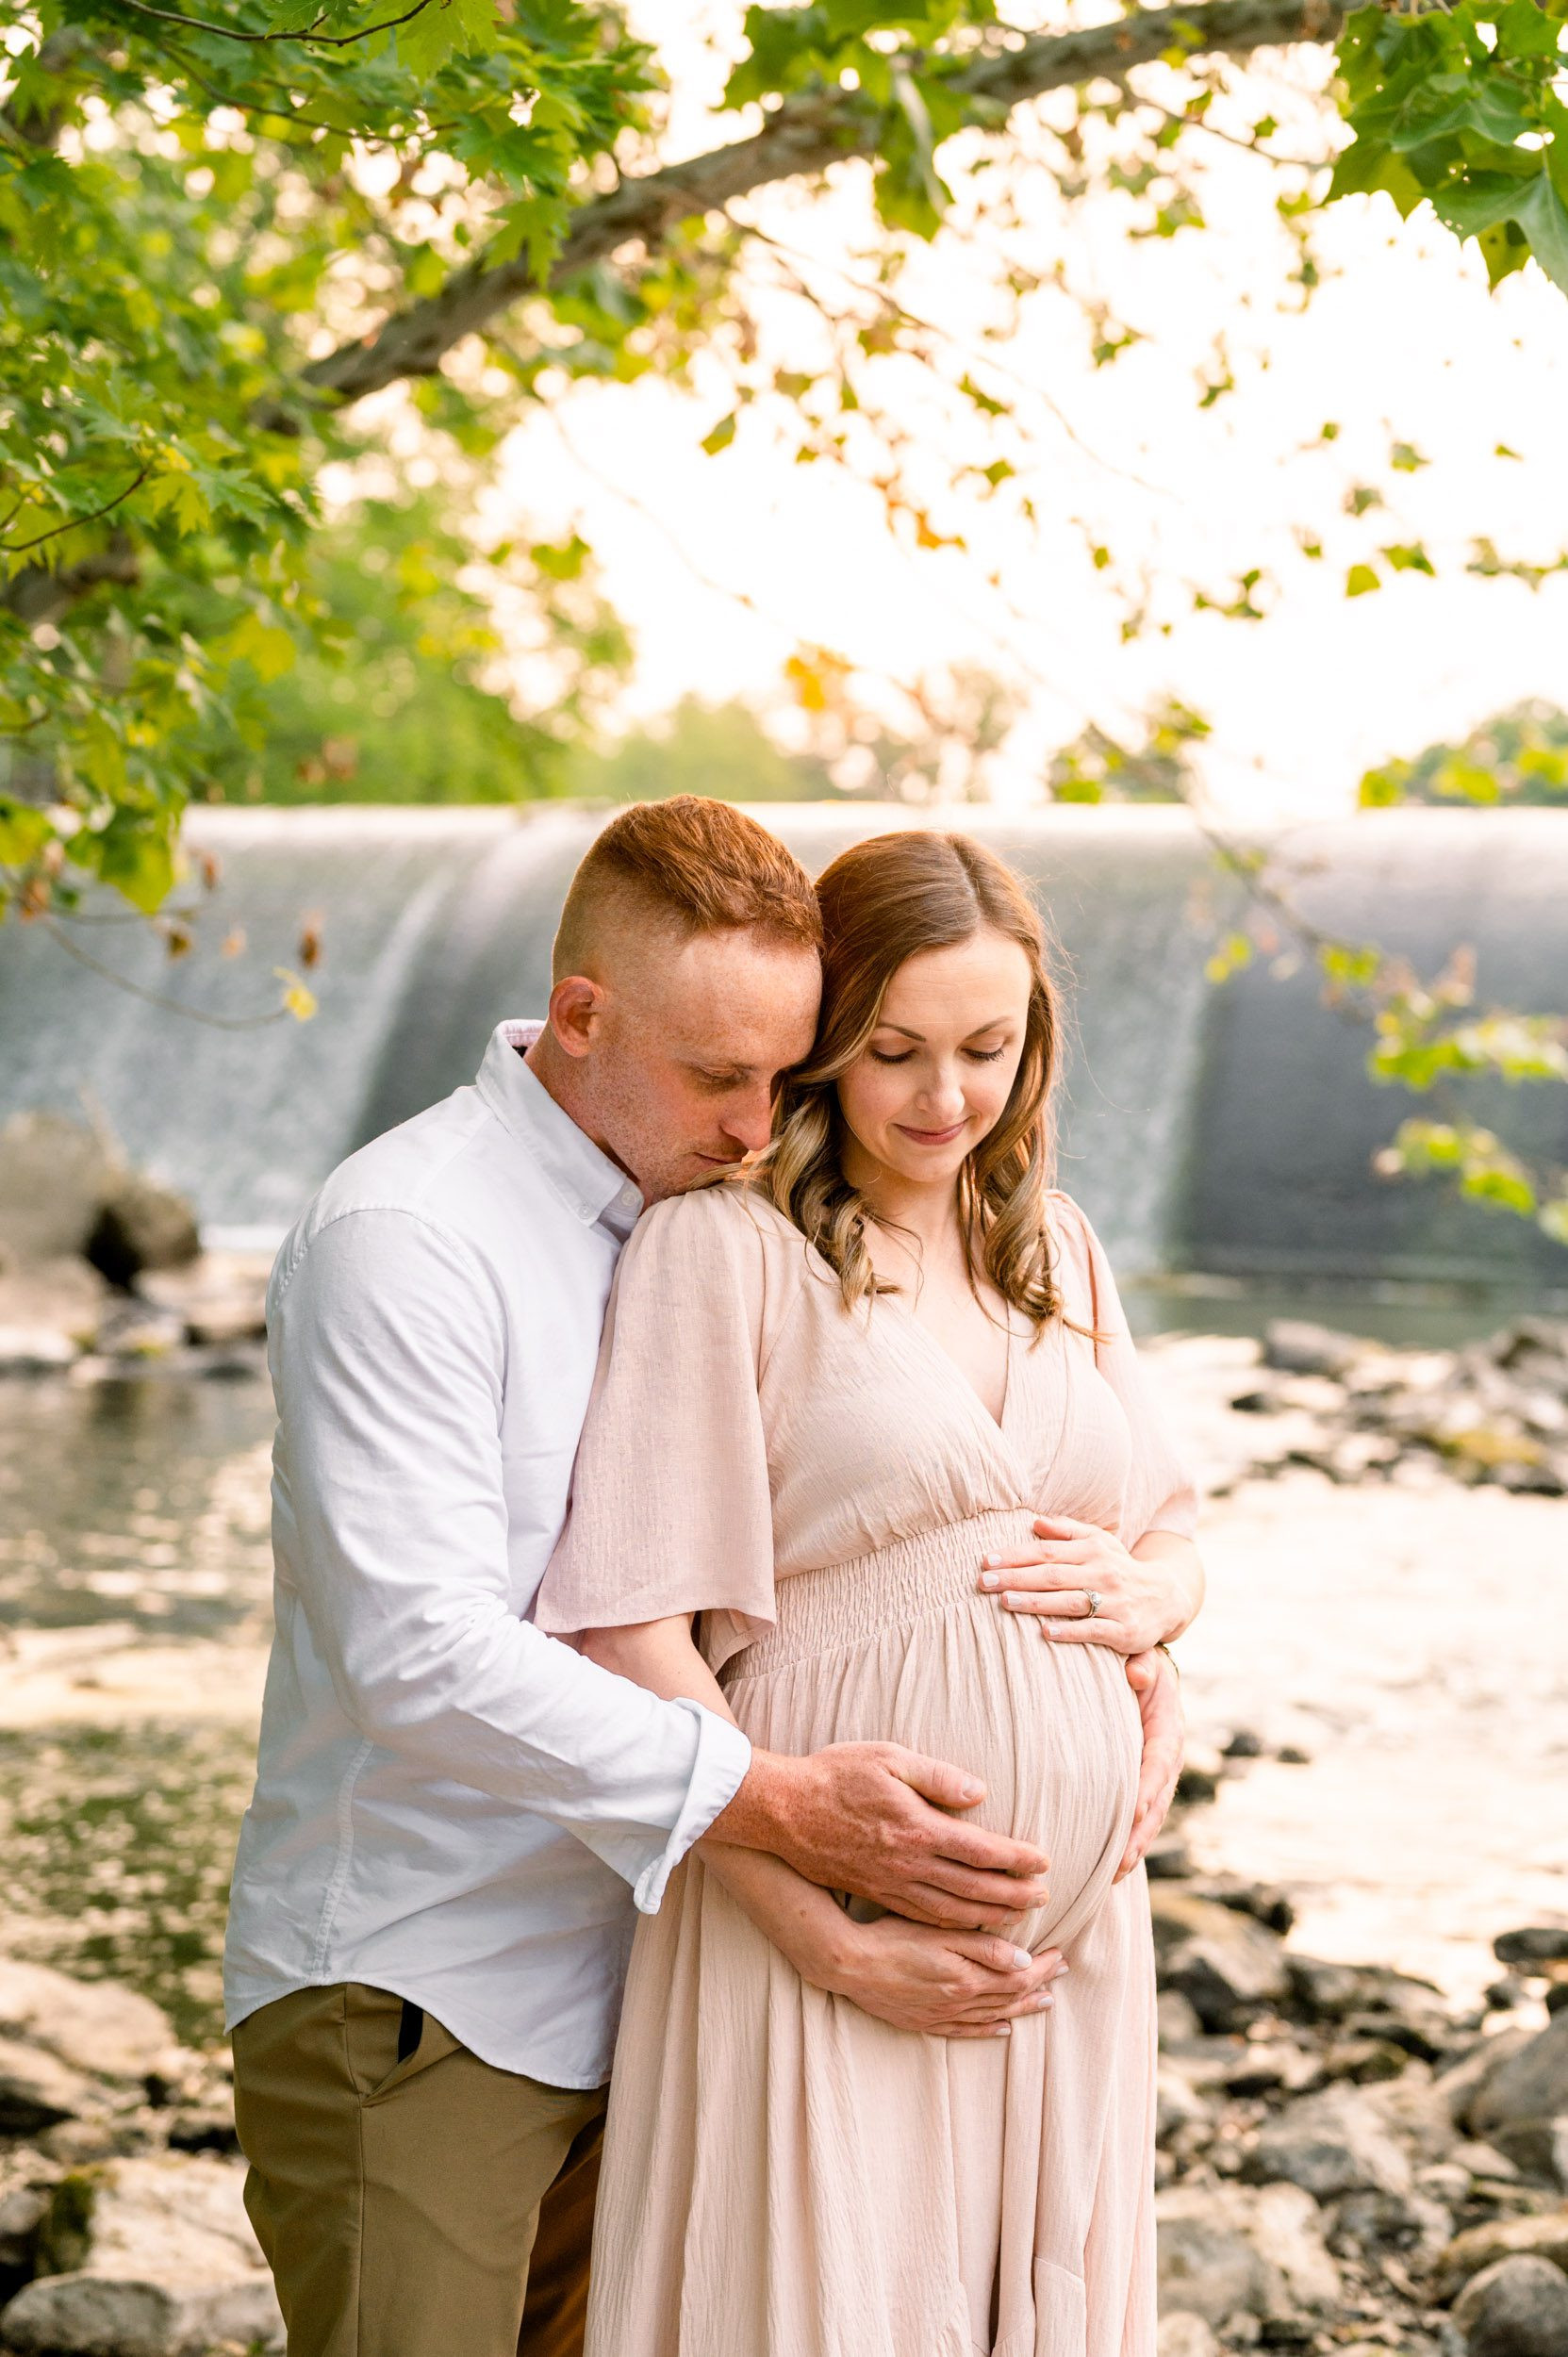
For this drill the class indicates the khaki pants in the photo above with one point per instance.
(398, 2185)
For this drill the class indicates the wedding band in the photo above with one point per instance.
(1093, 1596)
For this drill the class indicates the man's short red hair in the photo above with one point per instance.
(700, 864)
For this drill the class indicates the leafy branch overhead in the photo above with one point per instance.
(224, 225)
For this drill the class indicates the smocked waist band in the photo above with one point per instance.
(842, 1605)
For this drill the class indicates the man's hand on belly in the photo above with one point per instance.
(872, 1818)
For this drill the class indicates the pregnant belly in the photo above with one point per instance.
(1052, 1730)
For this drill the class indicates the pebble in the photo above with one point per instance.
(1515, 2308)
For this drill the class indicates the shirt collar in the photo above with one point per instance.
(582, 1175)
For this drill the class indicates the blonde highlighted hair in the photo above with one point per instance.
(886, 899)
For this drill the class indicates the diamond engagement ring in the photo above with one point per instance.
(1093, 1595)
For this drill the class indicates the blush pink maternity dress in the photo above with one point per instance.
(785, 2175)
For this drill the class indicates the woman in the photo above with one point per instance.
(826, 1397)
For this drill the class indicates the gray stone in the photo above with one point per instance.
(1537, 2148)
(1542, 2236)
(1515, 2308)
(142, 1226)
(1531, 2084)
(93, 2025)
(1178, 2024)
(37, 2089)
(1295, 1346)
(221, 1297)
(21, 2213)
(1228, 1966)
(1184, 2334)
(1373, 2001)
(1458, 2081)
(55, 1173)
(1331, 2143)
(1177, 2105)
(1228, 2250)
(166, 2265)
(1201, 1770)
(1391, 2221)
(1536, 1943)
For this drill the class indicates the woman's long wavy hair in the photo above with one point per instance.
(884, 901)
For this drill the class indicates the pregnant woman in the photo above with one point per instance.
(828, 1397)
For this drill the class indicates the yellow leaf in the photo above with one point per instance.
(298, 1001)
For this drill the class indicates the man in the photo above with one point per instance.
(455, 1817)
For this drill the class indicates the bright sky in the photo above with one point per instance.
(1404, 343)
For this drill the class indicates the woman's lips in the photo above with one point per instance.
(931, 1137)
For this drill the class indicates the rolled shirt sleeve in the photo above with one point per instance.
(390, 1354)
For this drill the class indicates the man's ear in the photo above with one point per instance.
(575, 1007)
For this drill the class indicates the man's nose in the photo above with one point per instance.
(749, 1121)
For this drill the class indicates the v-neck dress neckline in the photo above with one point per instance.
(998, 1423)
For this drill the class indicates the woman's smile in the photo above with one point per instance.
(931, 1137)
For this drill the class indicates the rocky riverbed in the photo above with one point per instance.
(1345, 2163)
(1354, 2157)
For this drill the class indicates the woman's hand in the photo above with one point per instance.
(939, 1983)
(1153, 1679)
(1145, 1596)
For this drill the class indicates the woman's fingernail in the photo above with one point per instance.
(1044, 2000)
(1014, 1596)
(990, 1580)
(1063, 1967)
(1022, 1958)
(1002, 2029)
(973, 1788)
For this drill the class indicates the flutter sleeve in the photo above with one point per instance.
(670, 1506)
(1161, 1492)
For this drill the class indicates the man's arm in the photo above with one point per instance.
(943, 1982)
(853, 1815)
(389, 1350)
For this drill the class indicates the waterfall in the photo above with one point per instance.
(1227, 1128)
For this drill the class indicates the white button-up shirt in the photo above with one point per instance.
(450, 1805)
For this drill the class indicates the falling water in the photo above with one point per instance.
(1223, 1128)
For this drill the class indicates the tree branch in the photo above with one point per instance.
(260, 41)
(802, 135)
(40, 594)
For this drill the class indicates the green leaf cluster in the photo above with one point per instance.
(1519, 757)
(1457, 106)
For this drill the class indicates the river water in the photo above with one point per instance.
(1412, 1640)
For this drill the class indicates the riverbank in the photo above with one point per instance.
(1384, 1659)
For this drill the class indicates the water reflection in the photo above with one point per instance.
(142, 1502)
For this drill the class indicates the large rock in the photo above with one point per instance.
(93, 2025)
(1228, 1966)
(1227, 2251)
(167, 2265)
(1330, 2144)
(37, 2090)
(55, 1173)
(1537, 2148)
(1542, 2237)
(1374, 2000)
(142, 1226)
(1530, 2083)
(1515, 2308)
(1535, 1944)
